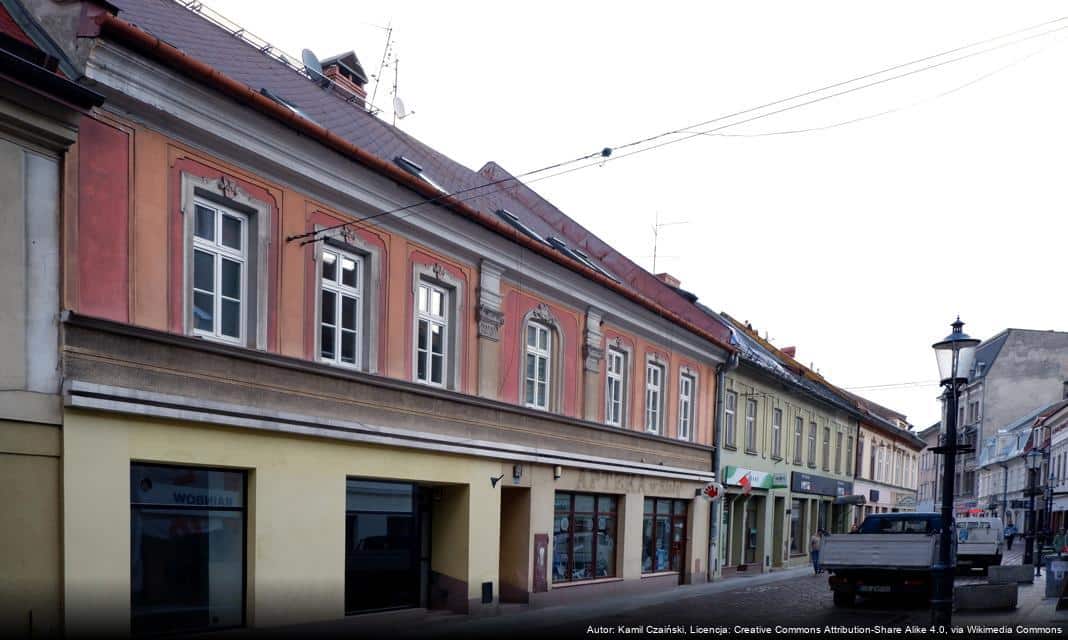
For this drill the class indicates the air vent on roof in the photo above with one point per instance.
(417, 170)
(514, 220)
(285, 103)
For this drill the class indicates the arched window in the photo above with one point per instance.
(541, 344)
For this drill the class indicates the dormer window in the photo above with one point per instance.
(514, 220)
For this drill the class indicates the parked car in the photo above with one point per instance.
(891, 553)
(979, 542)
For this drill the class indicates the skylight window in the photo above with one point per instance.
(513, 220)
(580, 256)
(417, 171)
(285, 103)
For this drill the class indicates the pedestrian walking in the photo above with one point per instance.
(1010, 533)
(814, 545)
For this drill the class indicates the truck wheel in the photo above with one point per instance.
(997, 560)
(844, 598)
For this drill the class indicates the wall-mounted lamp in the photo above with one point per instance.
(517, 472)
(557, 472)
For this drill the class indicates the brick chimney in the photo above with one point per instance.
(347, 72)
(668, 279)
(790, 351)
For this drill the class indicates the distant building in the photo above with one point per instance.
(928, 494)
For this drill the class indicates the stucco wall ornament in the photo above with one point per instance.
(489, 322)
(542, 313)
(228, 187)
(440, 272)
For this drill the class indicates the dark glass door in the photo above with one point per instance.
(384, 535)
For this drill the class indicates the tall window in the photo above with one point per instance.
(849, 456)
(799, 427)
(614, 392)
(654, 397)
(873, 468)
(663, 535)
(538, 361)
(776, 433)
(432, 327)
(187, 544)
(838, 452)
(686, 391)
(220, 249)
(728, 418)
(750, 425)
(584, 537)
(812, 444)
(339, 308)
(897, 467)
(826, 448)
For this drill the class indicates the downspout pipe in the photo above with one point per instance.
(714, 513)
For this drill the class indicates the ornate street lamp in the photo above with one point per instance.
(955, 355)
(1034, 465)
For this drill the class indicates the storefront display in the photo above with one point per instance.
(663, 535)
(584, 537)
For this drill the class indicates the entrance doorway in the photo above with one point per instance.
(514, 570)
(387, 545)
(751, 531)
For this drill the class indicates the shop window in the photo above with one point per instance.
(663, 535)
(729, 412)
(584, 537)
(219, 290)
(686, 412)
(340, 307)
(776, 433)
(750, 425)
(799, 427)
(386, 540)
(654, 397)
(432, 334)
(187, 549)
(538, 365)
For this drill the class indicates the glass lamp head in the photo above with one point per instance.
(955, 354)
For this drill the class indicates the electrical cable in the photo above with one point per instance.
(607, 154)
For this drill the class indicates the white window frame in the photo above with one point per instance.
(340, 290)
(730, 421)
(539, 354)
(687, 384)
(750, 425)
(615, 375)
(654, 397)
(799, 440)
(431, 319)
(217, 250)
(776, 432)
(812, 443)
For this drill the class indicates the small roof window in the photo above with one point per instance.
(285, 103)
(514, 220)
(417, 171)
(580, 256)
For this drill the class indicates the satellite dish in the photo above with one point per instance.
(398, 108)
(313, 68)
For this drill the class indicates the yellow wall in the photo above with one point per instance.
(296, 527)
(30, 570)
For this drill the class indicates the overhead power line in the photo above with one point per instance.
(896, 385)
(609, 154)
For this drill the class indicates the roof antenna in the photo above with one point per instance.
(382, 62)
(656, 233)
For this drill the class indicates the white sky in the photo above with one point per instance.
(842, 242)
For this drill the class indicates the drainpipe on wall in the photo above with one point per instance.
(714, 514)
(1005, 495)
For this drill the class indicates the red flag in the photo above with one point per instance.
(747, 487)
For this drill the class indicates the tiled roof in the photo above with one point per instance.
(214, 46)
(987, 352)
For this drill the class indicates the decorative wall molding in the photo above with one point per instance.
(592, 346)
(489, 322)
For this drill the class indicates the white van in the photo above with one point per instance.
(979, 542)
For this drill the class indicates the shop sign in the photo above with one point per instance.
(873, 495)
(906, 500)
(819, 485)
(145, 491)
(1018, 504)
(713, 491)
(757, 479)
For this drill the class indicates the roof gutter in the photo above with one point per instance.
(151, 46)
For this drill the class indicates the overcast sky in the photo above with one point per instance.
(858, 244)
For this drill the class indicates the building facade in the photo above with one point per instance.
(1015, 372)
(275, 401)
(786, 458)
(928, 493)
(40, 109)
